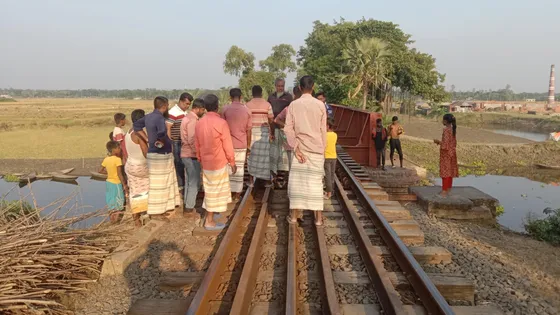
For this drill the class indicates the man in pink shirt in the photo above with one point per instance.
(238, 118)
(261, 116)
(306, 133)
(188, 154)
(214, 150)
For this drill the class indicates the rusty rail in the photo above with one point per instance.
(201, 301)
(431, 298)
(291, 281)
(330, 305)
(246, 287)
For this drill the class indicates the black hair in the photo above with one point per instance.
(197, 103)
(211, 103)
(297, 91)
(256, 91)
(320, 93)
(119, 117)
(235, 93)
(160, 101)
(186, 96)
(137, 114)
(111, 145)
(395, 118)
(330, 123)
(111, 136)
(378, 120)
(306, 83)
(451, 119)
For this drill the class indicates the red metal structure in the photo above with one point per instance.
(354, 127)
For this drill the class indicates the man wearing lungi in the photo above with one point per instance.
(238, 118)
(164, 192)
(306, 133)
(214, 150)
(279, 158)
(261, 117)
(174, 118)
(280, 122)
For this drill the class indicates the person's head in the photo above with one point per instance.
(235, 95)
(211, 103)
(198, 107)
(321, 96)
(280, 85)
(256, 91)
(379, 122)
(395, 120)
(113, 148)
(297, 92)
(120, 119)
(330, 124)
(306, 84)
(161, 104)
(449, 120)
(137, 114)
(185, 101)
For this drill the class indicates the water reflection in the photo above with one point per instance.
(84, 195)
(518, 195)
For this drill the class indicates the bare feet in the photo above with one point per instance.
(318, 218)
(292, 217)
(444, 193)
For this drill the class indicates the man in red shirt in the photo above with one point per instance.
(214, 150)
(238, 118)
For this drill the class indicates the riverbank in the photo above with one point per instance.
(82, 167)
(509, 120)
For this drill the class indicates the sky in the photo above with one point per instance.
(79, 44)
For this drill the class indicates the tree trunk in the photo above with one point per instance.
(365, 96)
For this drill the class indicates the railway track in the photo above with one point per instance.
(363, 260)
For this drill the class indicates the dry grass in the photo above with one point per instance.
(55, 128)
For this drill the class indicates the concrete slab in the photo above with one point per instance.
(127, 252)
(463, 202)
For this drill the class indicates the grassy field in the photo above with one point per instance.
(60, 128)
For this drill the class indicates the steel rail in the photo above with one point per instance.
(291, 281)
(431, 298)
(330, 304)
(212, 278)
(248, 281)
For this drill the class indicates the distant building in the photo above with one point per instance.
(530, 100)
(462, 107)
(5, 96)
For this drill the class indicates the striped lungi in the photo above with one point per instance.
(305, 187)
(236, 180)
(217, 192)
(164, 192)
(259, 159)
(278, 154)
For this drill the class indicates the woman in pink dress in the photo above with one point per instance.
(448, 154)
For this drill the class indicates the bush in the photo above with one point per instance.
(546, 229)
(3, 99)
(11, 210)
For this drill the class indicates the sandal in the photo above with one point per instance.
(218, 227)
(291, 220)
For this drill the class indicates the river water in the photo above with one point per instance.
(533, 136)
(84, 196)
(518, 195)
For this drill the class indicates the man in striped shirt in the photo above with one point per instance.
(173, 122)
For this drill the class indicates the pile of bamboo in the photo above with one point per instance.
(44, 257)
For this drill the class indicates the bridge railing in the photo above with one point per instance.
(353, 127)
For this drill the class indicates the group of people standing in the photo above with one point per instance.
(172, 149)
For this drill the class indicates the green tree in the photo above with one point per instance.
(263, 78)
(238, 62)
(280, 61)
(367, 64)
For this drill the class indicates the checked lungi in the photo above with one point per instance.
(278, 153)
(164, 192)
(236, 180)
(305, 187)
(217, 192)
(259, 159)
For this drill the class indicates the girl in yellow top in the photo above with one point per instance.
(330, 158)
(112, 166)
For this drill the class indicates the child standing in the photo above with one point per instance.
(330, 158)
(118, 133)
(395, 131)
(112, 166)
(379, 135)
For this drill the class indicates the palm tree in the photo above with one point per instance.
(367, 62)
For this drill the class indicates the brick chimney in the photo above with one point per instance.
(550, 103)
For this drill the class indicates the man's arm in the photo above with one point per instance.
(197, 140)
(324, 127)
(191, 132)
(161, 128)
(227, 144)
(249, 130)
(289, 129)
